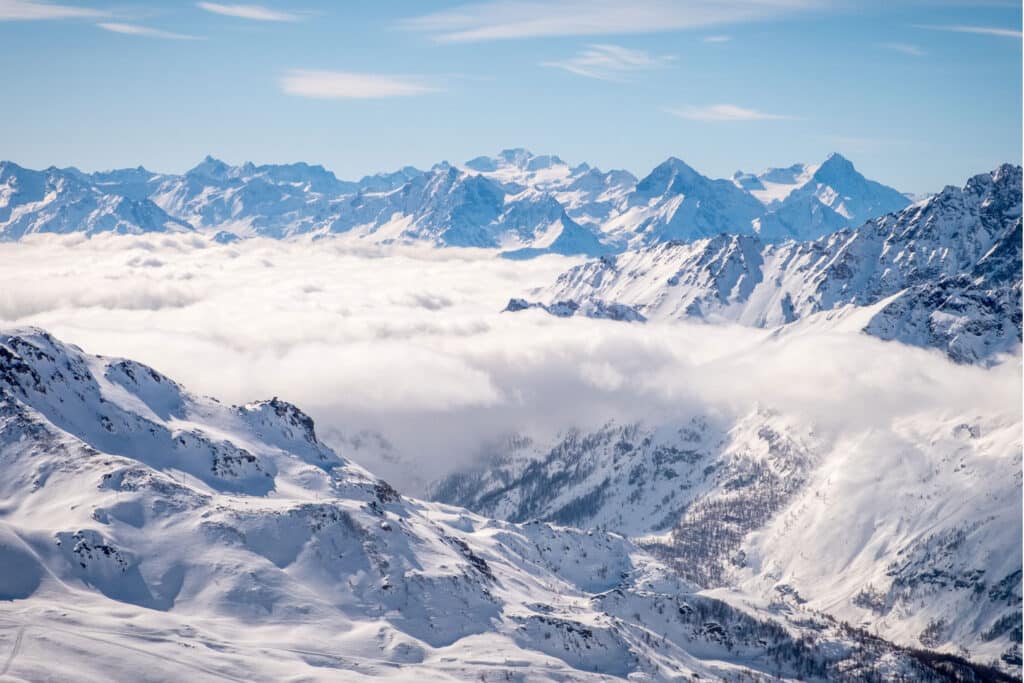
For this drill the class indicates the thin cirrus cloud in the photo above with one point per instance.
(338, 85)
(509, 19)
(905, 48)
(717, 39)
(251, 12)
(980, 30)
(144, 31)
(28, 10)
(610, 62)
(724, 112)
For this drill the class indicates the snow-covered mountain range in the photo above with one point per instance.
(63, 201)
(944, 272)
(149, 533)
(522, 203)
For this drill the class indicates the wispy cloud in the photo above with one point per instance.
(144, 31)
(905, 48)
(982, 30)
(505, 19)
(27, 10)
(717, 39)
(610, 62)
(723, 112)
(252, 12)
(334, 85)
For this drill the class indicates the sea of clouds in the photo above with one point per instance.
(403, 356)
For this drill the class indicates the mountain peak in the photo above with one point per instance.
(747, 181)
(209, 167)
(444, 168)
(667, 175)
(835, 162)
(515, 157)
(8, 167)
(675, 162)
(1004, 171)
(676, 166)
(837, 169)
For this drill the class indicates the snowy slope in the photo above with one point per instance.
(952, 262)
(588, 194)
(524, 168)
(775, 184)
(885, 538)
(148, 533)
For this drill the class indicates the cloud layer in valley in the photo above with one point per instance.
(409, 344)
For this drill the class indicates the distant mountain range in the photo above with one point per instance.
(519, 202)
(942, 273)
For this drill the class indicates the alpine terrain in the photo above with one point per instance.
(149, 533)
(730, 389)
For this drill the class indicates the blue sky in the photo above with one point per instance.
(918, 94)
